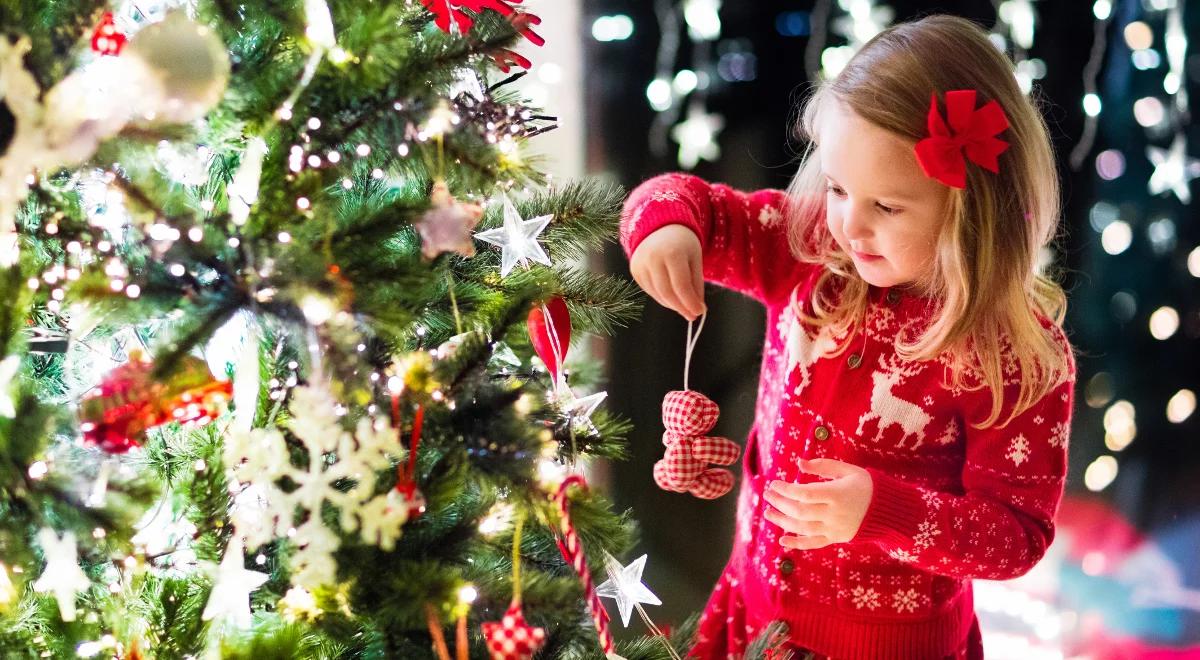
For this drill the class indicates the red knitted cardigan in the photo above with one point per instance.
(950, 502)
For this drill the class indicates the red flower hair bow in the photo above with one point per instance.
(971, 135)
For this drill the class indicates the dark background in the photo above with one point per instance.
(1159, 481)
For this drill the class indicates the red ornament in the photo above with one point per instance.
(685, 467)
(116, 413)
(445, 10)
(970, 136)
(106, 40)
(550, 346)
(511, 638)
(407, 494)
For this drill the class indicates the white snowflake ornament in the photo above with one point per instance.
(313, 564)
(262, 511)
(382, 518)
(19, 93)
(60, 127)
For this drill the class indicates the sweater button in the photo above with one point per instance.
(893, 297)
(821, 433)
(855, 360)
(786, 567)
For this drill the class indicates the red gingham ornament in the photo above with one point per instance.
(511, 638)
(688, 415)
(116, 414)
(106, 40)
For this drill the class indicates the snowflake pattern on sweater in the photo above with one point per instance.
(951, 502)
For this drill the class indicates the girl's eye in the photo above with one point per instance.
(834, 189)
(888, 210)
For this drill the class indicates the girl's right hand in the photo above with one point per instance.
(667, 265)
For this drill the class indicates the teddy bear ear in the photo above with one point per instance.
(689, 413)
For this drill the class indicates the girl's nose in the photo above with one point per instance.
(855, 224)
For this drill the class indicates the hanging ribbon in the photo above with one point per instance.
(691, 346)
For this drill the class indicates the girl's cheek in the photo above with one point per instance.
(832, 224)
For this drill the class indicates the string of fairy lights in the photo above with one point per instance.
(1158, 32)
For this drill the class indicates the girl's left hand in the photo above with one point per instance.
(824, 512)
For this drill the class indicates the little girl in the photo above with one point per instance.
(916, 387)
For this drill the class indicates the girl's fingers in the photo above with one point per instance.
(641, 275)
(680, 275)
(804, 542)
(793, 526)
(664, 292)
(696, 268)
(797, 509)
(816, 492)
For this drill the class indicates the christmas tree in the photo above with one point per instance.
(272, 281)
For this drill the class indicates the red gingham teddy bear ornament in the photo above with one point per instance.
(688, 415)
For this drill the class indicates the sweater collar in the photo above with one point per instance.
(906, 300)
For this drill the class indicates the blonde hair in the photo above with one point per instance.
(985, 273)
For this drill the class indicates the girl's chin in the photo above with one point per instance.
(874, 274)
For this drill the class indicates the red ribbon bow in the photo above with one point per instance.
(445, 10)
(972, 133)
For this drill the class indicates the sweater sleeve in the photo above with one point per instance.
(1003, 522)
(743, 235)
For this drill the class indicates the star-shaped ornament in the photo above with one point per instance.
(579, 410)
(625, 586)
(447, 225)
(62, 575)
(232, 587)
(697, 137)
(1173, 169)
(518, 239)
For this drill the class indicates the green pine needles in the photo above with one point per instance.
(301, 279)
